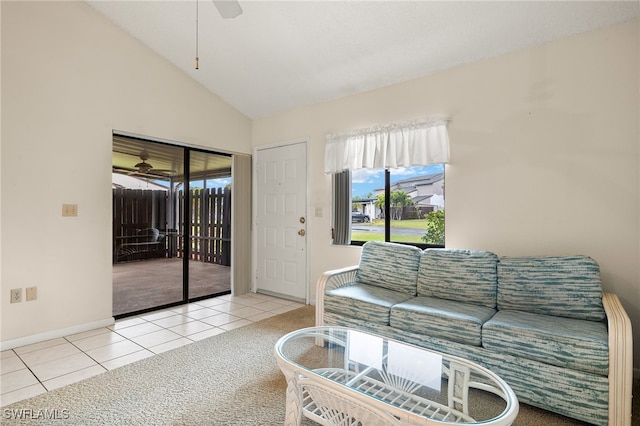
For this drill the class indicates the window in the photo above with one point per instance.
(414, 213)
(388, 183)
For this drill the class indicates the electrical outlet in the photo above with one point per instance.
(16, 295)
(318, 211)
(31, 293)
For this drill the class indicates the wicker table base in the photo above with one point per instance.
(338, 376)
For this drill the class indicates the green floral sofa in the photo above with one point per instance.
(543, 324)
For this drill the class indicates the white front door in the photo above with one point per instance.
(281, 216)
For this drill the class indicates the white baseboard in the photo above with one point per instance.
(54, 334)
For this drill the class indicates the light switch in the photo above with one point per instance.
(69, 210)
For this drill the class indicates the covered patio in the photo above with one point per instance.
(150, 283)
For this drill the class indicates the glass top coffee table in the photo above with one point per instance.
(341, 376)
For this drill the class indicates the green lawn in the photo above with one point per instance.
(406, 224)
(369, 236)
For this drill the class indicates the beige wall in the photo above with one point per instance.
(544, 154)
(69, 77)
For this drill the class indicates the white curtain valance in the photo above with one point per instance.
(416, 143)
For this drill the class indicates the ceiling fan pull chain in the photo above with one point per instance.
(197, 61)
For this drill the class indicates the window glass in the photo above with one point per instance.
(415, 206)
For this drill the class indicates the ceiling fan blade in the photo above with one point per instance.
(122, 170)
(161, 172)
(228, 9)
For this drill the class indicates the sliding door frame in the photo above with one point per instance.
(186, 222)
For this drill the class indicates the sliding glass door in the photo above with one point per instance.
(171, 225)
(147, 270)
(210, 231)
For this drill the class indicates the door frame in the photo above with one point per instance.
(254, 236)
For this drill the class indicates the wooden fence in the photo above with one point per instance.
(135, 211)
(210, 224)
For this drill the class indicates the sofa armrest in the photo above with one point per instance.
(329, 280)
(620, 361)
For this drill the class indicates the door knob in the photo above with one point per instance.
(301, 232)
(302, 219)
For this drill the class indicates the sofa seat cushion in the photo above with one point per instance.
(564, 342)
(468, 276)
(446, 319)
(362, 301)
(389, 265)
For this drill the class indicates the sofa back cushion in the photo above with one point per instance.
(462, 275)
(388, 265)
(563, 286)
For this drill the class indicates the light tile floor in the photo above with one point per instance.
(34, 369)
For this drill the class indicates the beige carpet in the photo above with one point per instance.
(229, 379)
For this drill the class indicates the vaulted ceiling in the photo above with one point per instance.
(281, 55)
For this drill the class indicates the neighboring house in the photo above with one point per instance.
(421, 189)
(366, 206)
(426, 192)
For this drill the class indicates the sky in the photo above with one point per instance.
(212, 183)
(365, 181)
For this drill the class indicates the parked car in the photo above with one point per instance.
(357, 217)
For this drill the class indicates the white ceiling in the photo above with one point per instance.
(281, 55)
